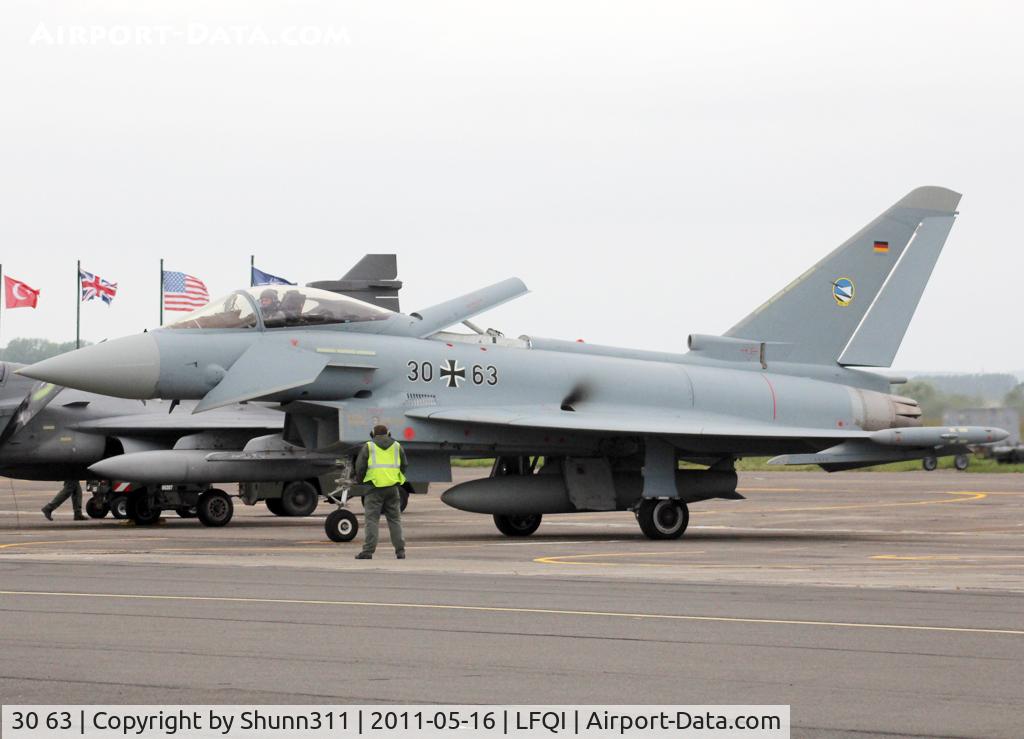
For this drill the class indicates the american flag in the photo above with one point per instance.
(94, 286)
(184, 292)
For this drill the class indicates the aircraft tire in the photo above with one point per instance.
(517, 526)
(119, 506)
(185, 511)
(929, 464)
(663, 519)
(341, 525)
(299, 498)
(274, 506)
(139, 509)
(215, 508)
(96, 508)
(961, 462)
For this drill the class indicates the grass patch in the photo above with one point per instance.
(462, 462)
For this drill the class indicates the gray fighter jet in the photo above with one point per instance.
(573, 427)
(54, 433)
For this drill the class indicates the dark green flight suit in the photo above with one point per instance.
(71, 489)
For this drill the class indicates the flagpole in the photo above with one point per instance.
(161, 291)
(78, 305)
(252, 265)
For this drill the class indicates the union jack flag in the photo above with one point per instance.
(184, 292)
(94, 286)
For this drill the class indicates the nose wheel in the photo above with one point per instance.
(662, 519)
(341, 525)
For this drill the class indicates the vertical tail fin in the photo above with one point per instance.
(373, 279)
(854, 306)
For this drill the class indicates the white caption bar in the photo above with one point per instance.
(313, 722)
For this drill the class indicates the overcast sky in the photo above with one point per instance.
(650, 169)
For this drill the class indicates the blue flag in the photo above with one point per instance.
(259, 277)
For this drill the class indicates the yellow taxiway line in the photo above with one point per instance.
(14, 544)
(563, 559)
(500, 609)
(967, 496)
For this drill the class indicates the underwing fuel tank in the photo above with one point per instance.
(523, 495)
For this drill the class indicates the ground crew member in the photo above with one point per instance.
(71, 490)
(381, 463)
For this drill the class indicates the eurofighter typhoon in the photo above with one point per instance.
(572, 427)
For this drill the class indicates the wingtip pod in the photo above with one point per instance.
(931, 197)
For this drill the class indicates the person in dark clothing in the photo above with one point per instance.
(72, 489)
(381, 463)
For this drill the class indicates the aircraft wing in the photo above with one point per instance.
(626, 420)
(853, 447)
(160, 423)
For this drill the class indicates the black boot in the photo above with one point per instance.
(47, 512)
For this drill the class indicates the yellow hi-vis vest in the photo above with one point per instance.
(384, 466)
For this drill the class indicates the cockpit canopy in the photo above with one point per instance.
(280, 306)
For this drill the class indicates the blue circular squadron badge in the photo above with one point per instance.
(843, 291)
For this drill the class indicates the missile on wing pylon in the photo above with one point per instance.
(938, 436)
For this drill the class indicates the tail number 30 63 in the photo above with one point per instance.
(452, 373)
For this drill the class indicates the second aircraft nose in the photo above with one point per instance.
(124, 368)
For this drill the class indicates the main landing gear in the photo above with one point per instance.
(96, 508)
(662, 519)
(517, 526)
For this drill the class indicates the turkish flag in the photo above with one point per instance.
(18, 294)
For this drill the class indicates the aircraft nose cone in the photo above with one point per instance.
(124, 368)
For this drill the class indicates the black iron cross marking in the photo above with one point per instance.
(453, 373)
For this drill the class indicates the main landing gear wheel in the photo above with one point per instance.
(96, 508)
(961, 461)
(274, 506)
(119, 506)
(930, 463)
(517, 525)
(341, 525)
(140, 510)
(185, 511)
(215, 508)
(663, 519)
(299, 499)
